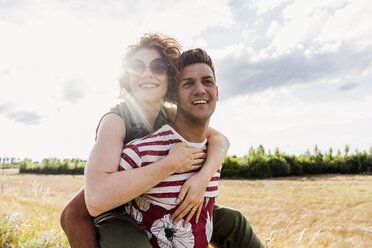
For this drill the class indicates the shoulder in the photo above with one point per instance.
(111, 126)
(160, 134)
(163, 137)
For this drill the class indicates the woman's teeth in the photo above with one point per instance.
(148, 86)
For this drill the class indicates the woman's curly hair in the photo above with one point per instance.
(169, 49)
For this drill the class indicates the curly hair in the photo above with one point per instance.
(169, 49)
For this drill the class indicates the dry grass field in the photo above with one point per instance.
(315, 211)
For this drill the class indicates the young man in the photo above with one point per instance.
(196, 96)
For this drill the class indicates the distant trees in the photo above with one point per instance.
(53, 166)
(258, 164)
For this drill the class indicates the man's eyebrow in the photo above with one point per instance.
(187, 79)
(190, 79)
(207, 77)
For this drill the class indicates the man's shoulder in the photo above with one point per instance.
(162, 134)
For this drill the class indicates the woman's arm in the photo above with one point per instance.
(105, 188)
(218, 145)
(194, 188)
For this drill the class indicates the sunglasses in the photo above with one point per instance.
(157, 66)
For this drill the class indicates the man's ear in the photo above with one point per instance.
(217, 92)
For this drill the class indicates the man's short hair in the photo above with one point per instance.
(195, 56)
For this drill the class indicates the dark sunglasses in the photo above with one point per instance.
(157, 66)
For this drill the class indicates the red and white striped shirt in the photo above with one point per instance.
(154, 208)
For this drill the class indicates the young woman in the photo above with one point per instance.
(149, 74)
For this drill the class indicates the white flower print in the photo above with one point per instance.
(209, 227)
(171, 234)
(134, 212)
(128, 207)
(149, 235)
(143, 203)
(206, 201)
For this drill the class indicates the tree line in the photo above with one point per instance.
(259, 164)
(53, 166)
(256, 164)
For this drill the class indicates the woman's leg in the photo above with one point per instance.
(77, 223)
(231, 229)
(119, 230)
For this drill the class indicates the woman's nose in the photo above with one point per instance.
(147, 72)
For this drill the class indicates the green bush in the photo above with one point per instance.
(294, 165)
(230, 168)
(259, 168)
(257, 164)
(53, 166)
(279, 166)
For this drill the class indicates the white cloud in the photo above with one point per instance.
(74, 90)
(263, 6)
(244, 74)
(349, 24)
(25, 117)
(322, 22)
(273, 29)
(12, 112)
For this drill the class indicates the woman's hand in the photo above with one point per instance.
(183, 158)
(194, 189)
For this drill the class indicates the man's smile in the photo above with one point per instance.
(196, 102)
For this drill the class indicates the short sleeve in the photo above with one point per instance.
(130, 158)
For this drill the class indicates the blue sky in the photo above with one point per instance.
(292, 73)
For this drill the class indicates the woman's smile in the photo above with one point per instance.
(148, 85)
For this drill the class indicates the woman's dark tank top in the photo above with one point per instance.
(135, 126)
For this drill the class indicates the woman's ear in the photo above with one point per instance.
(171, 108)
(175, 98)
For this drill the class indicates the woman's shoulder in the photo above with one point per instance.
(111, 125)
(120, 109)
(113, 120)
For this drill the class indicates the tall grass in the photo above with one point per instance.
(30, 208)
(15, 232)
(332, 211)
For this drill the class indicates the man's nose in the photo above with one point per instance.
(199, 88)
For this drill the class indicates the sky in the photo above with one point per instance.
(292, 74)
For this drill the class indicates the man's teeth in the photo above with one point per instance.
(200, 102)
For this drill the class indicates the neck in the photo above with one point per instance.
(191, 130)
(150, 111)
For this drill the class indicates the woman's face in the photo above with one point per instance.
(151, 83)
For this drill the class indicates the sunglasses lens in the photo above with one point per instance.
(136, 65)
(159, 66)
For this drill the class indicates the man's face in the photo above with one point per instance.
(197, 92)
